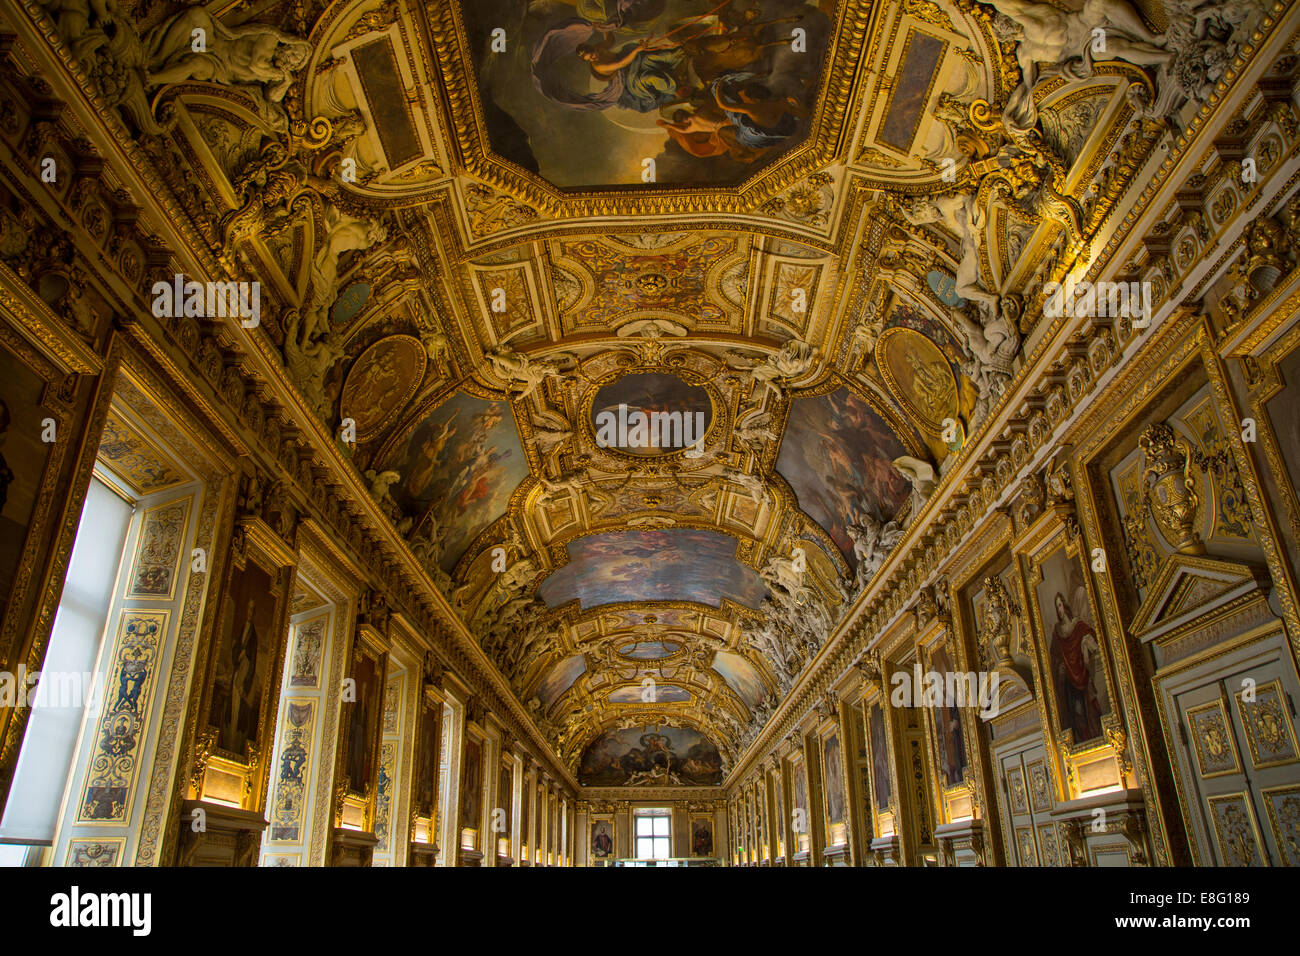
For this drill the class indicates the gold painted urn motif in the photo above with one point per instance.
(1170, 490)
(1267, 244)
(996, 629)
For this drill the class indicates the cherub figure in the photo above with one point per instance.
(577, 482)
(755, 430)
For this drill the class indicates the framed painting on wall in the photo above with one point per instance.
(29, 472)
(949, 743)
(602, 838)
(244, 667)
(503, 812)
(833, 788)
(833, 779)
(1076, 668)
(427, 740)
(701, 836)
(881, 782)
(525, 821)
(1273, 401)
(799, 812)
(782, 820)
(362, 739)
(471, 785)
(23, 457)
(249, 642)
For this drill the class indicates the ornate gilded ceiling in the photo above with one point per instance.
(822, 227)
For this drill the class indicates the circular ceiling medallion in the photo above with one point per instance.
(919, 377)
(648, 414)
(381, 382)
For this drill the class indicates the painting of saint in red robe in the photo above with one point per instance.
(1074, 649)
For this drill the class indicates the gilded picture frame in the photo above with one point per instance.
(241, 687)
(361, 728)
(1055, 546)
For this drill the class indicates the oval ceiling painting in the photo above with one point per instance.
(381, 382)
(350, 301)
(650, 414)
(918, 375)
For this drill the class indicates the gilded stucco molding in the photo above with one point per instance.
(388, 559)
(1086, 364)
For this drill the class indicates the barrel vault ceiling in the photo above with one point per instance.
(478, 224)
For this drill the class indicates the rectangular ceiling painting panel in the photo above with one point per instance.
(671, 565)
(588, 92)
(922, 55)
(650, 756)
(377, 68)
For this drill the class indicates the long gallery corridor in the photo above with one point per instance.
(649, 433)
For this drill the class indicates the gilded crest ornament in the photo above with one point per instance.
(1030, 503)
(1118, 740)
(1170, 489)
(868, 666)
(203, 747)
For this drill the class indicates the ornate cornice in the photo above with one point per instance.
(234, 375)
(1069, 364)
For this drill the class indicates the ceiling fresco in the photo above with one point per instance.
(457, 469)
(560, 678)
(627, 414)
(839, 262)
(650, 756)
(741, 676)
(657, 693)
(649, 650)
(838, 456)
(622, 92)
(659, 565)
